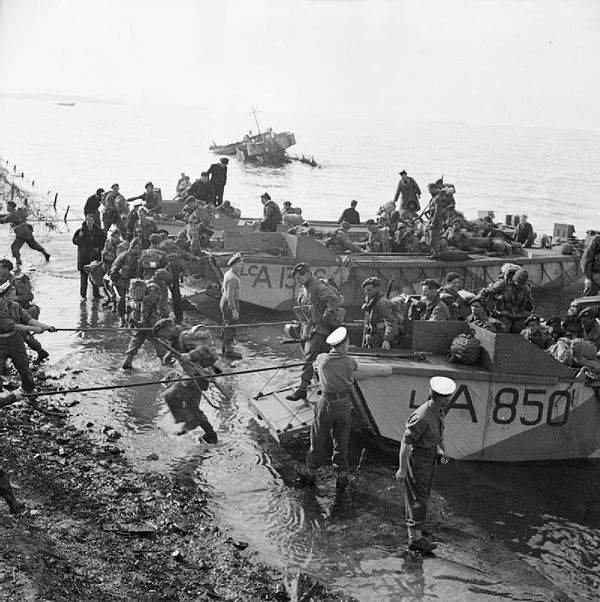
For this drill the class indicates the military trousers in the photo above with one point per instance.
(332, 422)
(31, 242)
(591, 285)
(137, 341)
(312, 347)
(417, 485)
(13, 347)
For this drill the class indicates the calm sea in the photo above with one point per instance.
(551, 174)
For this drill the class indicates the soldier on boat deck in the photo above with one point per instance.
(409, 191)
(430, 307)
(590, 266)
(340, 241)
(272, 216)
(381, 323)
(318, 310)
(350, 214)
(480, 317)
(513, 300)
(421, 448)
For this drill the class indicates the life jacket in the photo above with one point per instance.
(23, 289)
(151, 259)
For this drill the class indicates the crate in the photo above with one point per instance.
(563, 232)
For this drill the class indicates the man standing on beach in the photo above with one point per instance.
(410, 192)
(23, 232)
(422, 442)
(218, 178)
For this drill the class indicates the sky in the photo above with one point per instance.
(480, 61)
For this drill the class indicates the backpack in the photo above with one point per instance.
(23, 289)
(137, 290)
(151, 259)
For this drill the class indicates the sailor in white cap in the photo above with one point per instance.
(422, 442)
(230, 304)
(333, 410)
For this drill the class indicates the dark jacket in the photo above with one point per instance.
(92, 205)
(89, 244)
(349, 215)
(218, 174)
(272, 214)
(410, 192)
(590, 260)
(203, 191)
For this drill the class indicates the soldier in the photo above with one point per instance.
(92, 206)
(109, 254)
(195, 356)
(350, 214)
(422, 444)
(218, 178)
(480, 317)
(459, 309)
(176, 258)
(89, 239)
(17, 218)
(113, 202)
(590, 266)
(151, 197)
(524, 232)
(203, 190)
(6, 491)
(144, 312)
(513, 300)
(318, 311)
(537, 333)
(151, 259)
(230, 304)
(332, 421)
(431, 307)
(340, 241)
(381, 322)
(123, 269)
(378, 239)
(590, 328)
(143, 227)
(182, 185)
(410, 192)
(271, 214)
(24, 297)
(13, 321)
(164, 280)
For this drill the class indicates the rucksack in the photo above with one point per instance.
(151, 259)
(137, 290)
(23, 289)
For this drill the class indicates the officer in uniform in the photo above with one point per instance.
(381, 323)
(230, 304)
(422, 443)
(317, 310)
(333, 410)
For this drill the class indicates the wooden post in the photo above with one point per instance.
(66, 213)
(55, 200)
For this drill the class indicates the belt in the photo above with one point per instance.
(335, 396)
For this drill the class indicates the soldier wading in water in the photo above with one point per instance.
(422, 443)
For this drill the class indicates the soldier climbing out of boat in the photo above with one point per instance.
(203, 190)
(218, 178)
(17, 218)
(318, 310)
(333, 411)
(410, 193)
(152, 199)
(230, 305)
(590, 266)
(381, 322)
(421, 449)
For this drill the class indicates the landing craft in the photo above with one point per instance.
(516, 404)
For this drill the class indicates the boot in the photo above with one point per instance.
(422, 545)
(41, 356)
(127, 363)
(229, 352)
(47, 256)
(209, 433)
(299, 393)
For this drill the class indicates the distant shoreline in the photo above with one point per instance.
(58, 98)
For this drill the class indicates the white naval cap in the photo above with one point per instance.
(337, 337)
(234, 259)
(442, 385)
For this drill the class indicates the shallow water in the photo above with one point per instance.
(549, 514)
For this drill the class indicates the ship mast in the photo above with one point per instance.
(254, 112)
